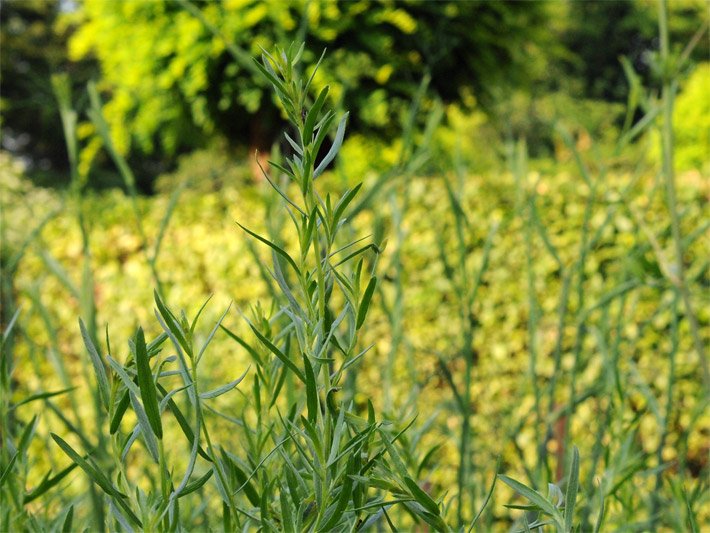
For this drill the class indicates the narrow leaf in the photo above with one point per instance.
(365, 303)
(254, 354)
(602, 510)
(47, 483)
(531, 495)
(345, 201)
(311, 390)
(94, 473)
(312, 115)
(8, 468)
(337, 142)
(182, 422)
(146, 385)
(278, 84)
(422, 497)
(336, 513)
(98, 364)
(171, 323)
(146, 428)
(278, 250)
(119, 412)
(212, 333)
(42, 395)
(278, 353)
(572, 488)
(488, 497)
(224, 388)
(192, 487)
(68, 519)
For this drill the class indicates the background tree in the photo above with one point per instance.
(32, 50)
(177, 75)
(579, 80)
(599, 32)
(186, 76)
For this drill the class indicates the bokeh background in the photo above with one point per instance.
(507, 146)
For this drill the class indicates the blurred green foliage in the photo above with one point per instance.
(691, 121)
(188, 76)
(508, 69)
(579, 81)
(33, 48)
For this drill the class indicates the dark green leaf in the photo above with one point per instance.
(254, 354)
(278, 353)
(322, 127)
(182, 422)
(193, 486)
(97, 477)
(572, 487)
(119, 412)
(422, 497)
(358, 252)
(269, 75)
(336, 512)
(312, 115)
(145, 428)
(365, 303)
(279, 386)
(68, 519)
(172, 323)
(147, 386)
(27, 435)
(242, 479)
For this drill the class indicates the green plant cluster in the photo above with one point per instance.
(429, 325)
(191, 77)
(547, 327)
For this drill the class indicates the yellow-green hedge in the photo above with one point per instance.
(204, 253)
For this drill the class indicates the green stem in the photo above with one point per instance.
(581, 325)
(465, 303)
(533, 323)
(668, 95)
(664, 429)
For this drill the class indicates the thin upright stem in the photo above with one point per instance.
(668, 91)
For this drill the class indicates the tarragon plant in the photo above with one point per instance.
(339, 469)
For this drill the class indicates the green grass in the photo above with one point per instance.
(613, 385)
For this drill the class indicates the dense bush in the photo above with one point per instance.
(190, 79)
